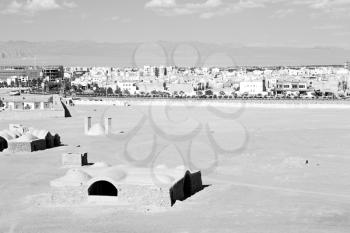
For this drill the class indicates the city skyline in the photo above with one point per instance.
(264, 23)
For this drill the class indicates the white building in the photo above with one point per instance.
(127, 85)
(252, 87)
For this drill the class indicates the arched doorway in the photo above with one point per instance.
(102, 188)
(187, 186)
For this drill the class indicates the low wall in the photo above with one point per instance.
(132, 194)
(30, 114)
(183, 188)
(36, 145)
(144, 195)
(312, 104)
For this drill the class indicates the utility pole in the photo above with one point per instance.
(106, 83)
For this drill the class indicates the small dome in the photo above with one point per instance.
(77, 175)
(73, 177)
(27, 138)
(181, 167)
(16, 133)
(165, 179)
(96, 130)
(161, 166)
(42, 134)
(11, 133)
(35, 132)
(5, 135)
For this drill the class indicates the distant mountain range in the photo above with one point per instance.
(88, 53)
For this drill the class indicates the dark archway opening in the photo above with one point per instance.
(187, 188)
(3, 144)
(102, 188)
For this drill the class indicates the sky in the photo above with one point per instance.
(297, 23)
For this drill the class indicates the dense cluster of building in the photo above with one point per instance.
(220, 81)
(266, 81)
(15, 76)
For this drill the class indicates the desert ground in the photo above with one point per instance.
(253, 161)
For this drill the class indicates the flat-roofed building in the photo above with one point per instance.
(290, 86)
(252, 87)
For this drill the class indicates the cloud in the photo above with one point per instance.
(30, 7)
(329, 27)
(160, 4)
(280, 8)
(120, 19)
(282, 13)
(70, 4)
(335, 8)
(324, 4)
(205, 10)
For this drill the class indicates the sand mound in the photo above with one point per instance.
(100, 164)
(293, 162)
(161, 166)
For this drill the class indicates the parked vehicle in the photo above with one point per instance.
(14, 93)
(309, 95)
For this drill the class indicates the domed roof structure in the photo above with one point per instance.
(35, 132)
(73, 177)
(96, 130)
(42, 133)
(12, 133)
(5, 135)
(27, 138)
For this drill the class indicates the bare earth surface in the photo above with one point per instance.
(253, 162)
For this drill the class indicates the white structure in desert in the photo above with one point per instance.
(97, 129)
(125, 184)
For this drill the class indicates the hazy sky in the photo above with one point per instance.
(242, 22)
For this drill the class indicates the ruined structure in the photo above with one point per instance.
(22, 139)
(74, 159)
(135, 186)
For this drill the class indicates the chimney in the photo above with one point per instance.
(108, 125)
(87, 124)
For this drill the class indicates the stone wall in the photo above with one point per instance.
(132, 194)
(68, 195)
(196, 181)
(144, 195)
(74, 159)
(190, 184)
(14, 146)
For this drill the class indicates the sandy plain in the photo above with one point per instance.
(253, 160)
